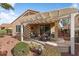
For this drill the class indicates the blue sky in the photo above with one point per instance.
(9, 16)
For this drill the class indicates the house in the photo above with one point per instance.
(4, 26)
(15, 25)
(39, 23)
(32, 24)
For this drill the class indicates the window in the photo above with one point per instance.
(18, 28)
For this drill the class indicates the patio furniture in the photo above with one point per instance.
(33, 34)
(44, 37)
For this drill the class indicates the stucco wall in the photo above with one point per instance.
(19, 21)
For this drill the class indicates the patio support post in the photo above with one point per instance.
(72, 34)
(21, 33)
(56, 30)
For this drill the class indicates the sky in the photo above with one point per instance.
(8, 16)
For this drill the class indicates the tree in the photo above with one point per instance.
(6, 6)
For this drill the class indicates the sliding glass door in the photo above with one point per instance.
(45, 29)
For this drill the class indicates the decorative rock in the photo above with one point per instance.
(3, 53)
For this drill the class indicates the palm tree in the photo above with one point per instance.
(6, 6)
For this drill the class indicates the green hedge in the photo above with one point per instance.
(20, 49)
(2, 32)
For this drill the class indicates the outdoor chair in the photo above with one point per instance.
(33, 35)
(44, 37)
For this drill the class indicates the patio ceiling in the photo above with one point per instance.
(41, 21)
(41, 18)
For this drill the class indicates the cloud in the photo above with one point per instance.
(74, 5)
(7, 17)
(12, 12)
(4, 15)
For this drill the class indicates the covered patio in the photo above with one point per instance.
(40, 27)
(42, 18)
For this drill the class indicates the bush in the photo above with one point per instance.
(50, 51)
(2, 33)
(33, 45)
(9, 31)
(36, 49)
(20, 49)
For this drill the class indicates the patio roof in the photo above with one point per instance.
(41, 18)
(41, 21)
(49, 17)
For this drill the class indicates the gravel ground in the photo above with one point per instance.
(7, 43)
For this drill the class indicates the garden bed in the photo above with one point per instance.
(36, 49)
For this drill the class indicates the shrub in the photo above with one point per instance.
(50, 51)
(33, 45)
(20, 49)
(2, 33)
(9, 31)
(35, 48)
